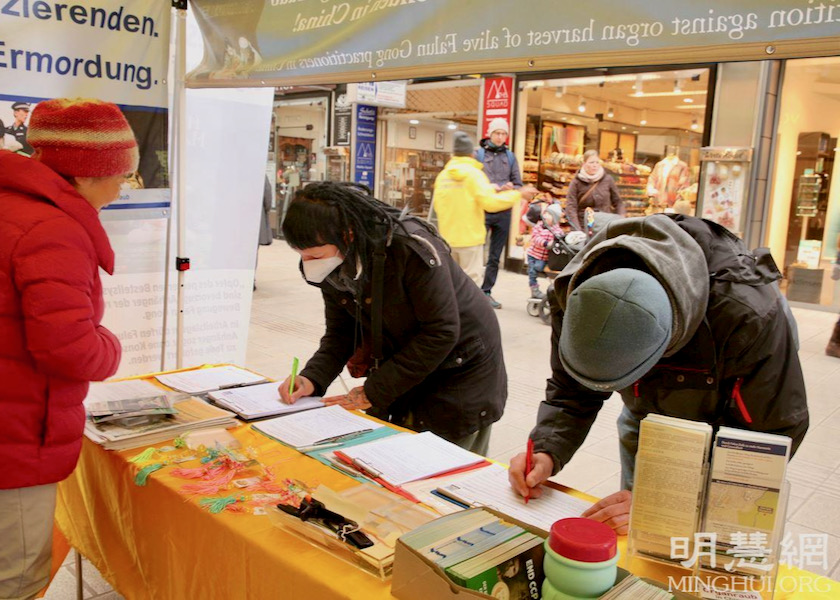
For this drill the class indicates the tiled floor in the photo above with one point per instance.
(287, 321)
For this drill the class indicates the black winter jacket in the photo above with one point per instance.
(442, 347)
(731, 338)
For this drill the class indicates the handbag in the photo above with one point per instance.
(559, 254)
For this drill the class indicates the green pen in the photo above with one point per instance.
(294, 374)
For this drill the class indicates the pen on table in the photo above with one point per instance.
(305, 449)
(529, 466)
(294, 374)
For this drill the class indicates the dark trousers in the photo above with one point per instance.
(498, 224)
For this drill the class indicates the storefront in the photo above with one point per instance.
(418, 138)
(804, 218)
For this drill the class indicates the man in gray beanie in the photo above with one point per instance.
(675, 314)
(462, 194)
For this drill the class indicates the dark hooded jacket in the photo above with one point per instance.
(732, 359)
(443, 362)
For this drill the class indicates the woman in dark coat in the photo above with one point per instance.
(592, 188)
(438, 365)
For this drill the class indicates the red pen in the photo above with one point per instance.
(529, 465)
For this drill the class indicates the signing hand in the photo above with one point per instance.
(355, 399)
(522, 485)
(614, 510)
(303, 387)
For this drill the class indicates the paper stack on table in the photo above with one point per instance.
(489, 487)
(406, 457)
(319, 426)
(261, 400)
(125, 401)
(201, 381)
(192, 414)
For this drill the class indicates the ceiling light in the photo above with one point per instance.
(677, 86)
(610, 112)
(694, 124)
(691, 107)
(688, 100)
(582, 104)
(414, 122)
(638, 86)
(452, 126)
(560, 91)
(643, 121)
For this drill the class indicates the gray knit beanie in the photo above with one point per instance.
(616, 327)
(462, 144)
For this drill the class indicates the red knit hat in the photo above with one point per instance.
(83, 137)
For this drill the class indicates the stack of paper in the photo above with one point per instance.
(670, 478)
(319, 426)
(201, 381)
(192, 414)
(633, 588)
(257, 401)
(408, 457)
(745, 501)
(489, 487)
(126, 400)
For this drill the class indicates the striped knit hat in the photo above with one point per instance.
(83, 137)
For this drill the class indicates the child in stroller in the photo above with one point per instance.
(559, 250)
(543, 236)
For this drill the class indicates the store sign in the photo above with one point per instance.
(365, 157)
(381, 93)
(726, 154)
(808, 253)
(342, 120)
(497, 102)
(363, 40)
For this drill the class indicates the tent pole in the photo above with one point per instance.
(176, 49)
(180, 136)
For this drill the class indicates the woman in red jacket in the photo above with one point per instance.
(52, 245)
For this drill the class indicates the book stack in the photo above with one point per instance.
(186, 414)
(127, 403)
(479, 551)
(669, 484)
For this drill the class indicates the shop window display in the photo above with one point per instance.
(804, 222)
(645, 127)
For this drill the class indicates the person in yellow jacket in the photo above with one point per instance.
(462, 195)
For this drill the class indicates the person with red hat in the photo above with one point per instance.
(52, 343)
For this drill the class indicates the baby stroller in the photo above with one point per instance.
(561, 252)
(559, 255)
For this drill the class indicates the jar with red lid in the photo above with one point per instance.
(580, 560)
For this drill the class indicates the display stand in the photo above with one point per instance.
(750, 567)
(324, 540)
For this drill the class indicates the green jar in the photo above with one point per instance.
(580, 560)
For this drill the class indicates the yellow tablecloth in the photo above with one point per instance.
(153, 542)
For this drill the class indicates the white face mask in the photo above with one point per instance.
(317, 269)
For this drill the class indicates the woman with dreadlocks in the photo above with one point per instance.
(395, 298)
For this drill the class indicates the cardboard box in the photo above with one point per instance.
(417, 578)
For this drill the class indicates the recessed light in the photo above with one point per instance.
(452, 126)
(688, 100)
(414, 121)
